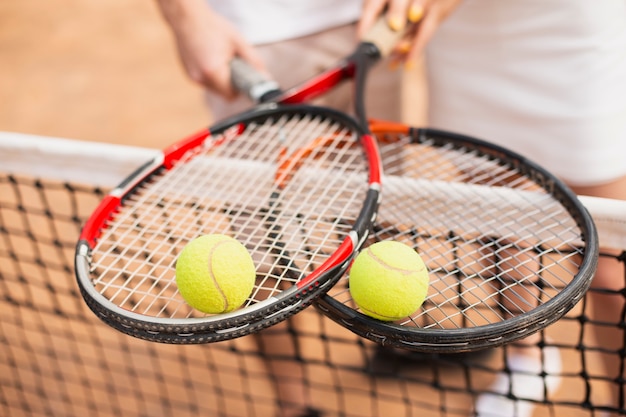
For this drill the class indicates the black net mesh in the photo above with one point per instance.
(57, 358)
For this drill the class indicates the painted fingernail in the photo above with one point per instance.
(396, 23)
(415, 13)
(403, 47)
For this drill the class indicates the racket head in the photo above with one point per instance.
(509, 247)
(274, 180)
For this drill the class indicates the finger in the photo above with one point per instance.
(425, 31)
(416, 10)
(397, 14)
(371, 10)
(435, 12)
(403, 48)
(221, 83)
(247, 52)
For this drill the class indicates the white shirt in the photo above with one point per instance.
(546, 78)
(266, 21)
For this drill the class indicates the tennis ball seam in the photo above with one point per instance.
(215, 273)
(388, 282)
(212, 274)
(384, 264)
(372, 311)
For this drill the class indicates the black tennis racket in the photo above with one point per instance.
(298, 185)
(509, 248)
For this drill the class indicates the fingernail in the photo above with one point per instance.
(403, 47)
(415, 13)
(396, 23)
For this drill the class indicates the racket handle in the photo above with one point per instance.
(251, 82)
(383, 36)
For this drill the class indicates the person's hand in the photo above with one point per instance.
(206, 44)
(424, 16)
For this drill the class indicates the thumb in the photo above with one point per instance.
(249, 54)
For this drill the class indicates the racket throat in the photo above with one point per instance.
(365, 57)
(275, 239)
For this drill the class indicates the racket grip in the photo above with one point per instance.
(383, 36)
(251, 82)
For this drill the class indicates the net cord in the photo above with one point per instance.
(107, 165)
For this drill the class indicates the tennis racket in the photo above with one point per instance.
(509, 248)
(275, 178)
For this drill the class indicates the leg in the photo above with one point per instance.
(608, 306)
(289, 66)
(526, 356)
(527, 359)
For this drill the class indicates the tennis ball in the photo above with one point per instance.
(215, 273)
(388, 280)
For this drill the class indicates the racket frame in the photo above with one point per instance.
(457, 340)
(262, 314)
(378, 42)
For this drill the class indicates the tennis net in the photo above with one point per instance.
(58, 359)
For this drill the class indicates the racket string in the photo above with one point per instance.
(229, 186)
(497, 244)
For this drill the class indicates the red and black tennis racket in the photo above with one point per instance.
(297, 184)
(510, 249)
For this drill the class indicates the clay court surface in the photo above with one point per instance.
(101, 70)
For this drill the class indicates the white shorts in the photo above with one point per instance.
(545, 78)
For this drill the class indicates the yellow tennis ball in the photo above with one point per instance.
(388, 280)
(215, 273)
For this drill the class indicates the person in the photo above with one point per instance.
(289, 40)
(545, 78)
